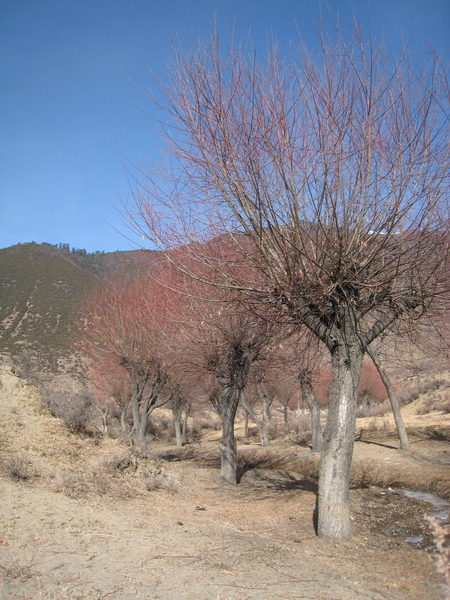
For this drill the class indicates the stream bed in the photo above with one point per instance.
(441, 506)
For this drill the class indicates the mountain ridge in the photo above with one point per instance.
(41, 287)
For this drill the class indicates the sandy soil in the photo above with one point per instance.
(90, 519)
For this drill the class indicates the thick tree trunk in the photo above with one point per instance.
(314, 409)
(337, 450)
(227, 443)
(403, 436)
(176, 412)
(142, 431)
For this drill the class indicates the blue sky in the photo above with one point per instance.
(70, 113)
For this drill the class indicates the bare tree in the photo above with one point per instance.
(223, 340)
(305, 379)
(403, 436)
(264, 386)
(181, 406)
(263, 418)
(285, 396)
(127, 321)
(423, 345)
(329, 172)
(304, 357)
(109, 383)
(217, 338)
(280, 378)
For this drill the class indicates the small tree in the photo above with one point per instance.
(181, 405)
(109, 383)
(127, 321)
(222, 339)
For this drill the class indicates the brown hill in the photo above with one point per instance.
(40, 290)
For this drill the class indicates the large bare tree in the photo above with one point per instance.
(330, 174)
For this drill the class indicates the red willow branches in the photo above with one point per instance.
(330, 174)
(128, 322)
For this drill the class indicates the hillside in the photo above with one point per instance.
(40, 291)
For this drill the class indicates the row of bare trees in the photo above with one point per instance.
(167, 340)
(328, 174)
(303, 194)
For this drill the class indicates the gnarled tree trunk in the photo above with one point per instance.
(337, 450)
(227, 443)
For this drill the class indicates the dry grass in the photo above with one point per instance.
(431, 393)
(435, 402)
(24, 566)
(374, 410)
(20, 467)
(122, 476)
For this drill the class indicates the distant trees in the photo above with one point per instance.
(127, 321)
(304, 357)
(329, 172)
(109, 384)
(262, 397)
(180, 404)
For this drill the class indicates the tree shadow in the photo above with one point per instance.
(379, 444)
(282, 481)
(359, 439)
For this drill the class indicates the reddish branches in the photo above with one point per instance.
(329, 173)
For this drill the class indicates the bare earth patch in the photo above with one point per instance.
(90, 519)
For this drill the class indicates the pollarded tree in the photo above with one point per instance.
(127, 321)
(230, 344)
(330, 172)
(222, 340)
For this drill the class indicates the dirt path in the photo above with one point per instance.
(99, 522)
(202, 542)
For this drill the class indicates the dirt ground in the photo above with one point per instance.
(85, 518)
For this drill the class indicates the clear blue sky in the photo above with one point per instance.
(70, 112)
